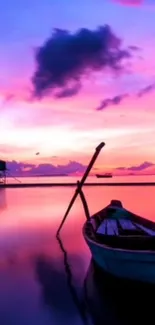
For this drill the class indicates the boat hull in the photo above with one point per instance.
(133, 265)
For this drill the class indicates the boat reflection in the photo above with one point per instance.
(103, 299)
(55, 281)
(52, 281)
(113, 301)
(79, 303)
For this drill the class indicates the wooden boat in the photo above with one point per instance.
(122, 243)
(106, 175)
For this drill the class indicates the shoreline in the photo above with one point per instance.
(23, 185)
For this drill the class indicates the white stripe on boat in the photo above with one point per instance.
(109, 227)
(138, 265)
(110, 230)
(102, 228)
(127, 224)
(112, 227)
(148, 231)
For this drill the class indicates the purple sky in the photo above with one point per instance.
(115, 108)
(26, 24)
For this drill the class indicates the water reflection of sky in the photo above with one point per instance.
(34, 287)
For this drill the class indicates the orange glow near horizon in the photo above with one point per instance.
(60, 134)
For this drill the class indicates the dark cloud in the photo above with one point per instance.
(111, 101)
(25, 169)
(134, 48)
(140, 167)
(65, 58)
(19, 169)
(68, 92)
(146, 90)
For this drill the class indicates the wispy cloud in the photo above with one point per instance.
(69, 91)
(7, 98)
(17, 96)
(134, 48)
(145, 168)
(117, 100)
(140, 167)
(111, 101)
(146, 90)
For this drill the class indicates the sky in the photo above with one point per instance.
(73, 74)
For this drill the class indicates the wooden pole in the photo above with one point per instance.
(84, 202)
(97, 151)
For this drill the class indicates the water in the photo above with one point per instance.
(90, 179)
(36, 284)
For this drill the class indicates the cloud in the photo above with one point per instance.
(111, 101)
(134, 48)
(18, 169)
(142, 167)
(146, 90)
(68, 92)
(9, 97)
(25, 169)
(18, 96)
(65, 58)
(117, 100)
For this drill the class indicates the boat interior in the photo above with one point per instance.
(116, 227)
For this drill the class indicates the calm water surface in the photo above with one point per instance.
(39, 283)
(90, 179)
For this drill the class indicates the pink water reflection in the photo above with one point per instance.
(31, 261)
(30, 217)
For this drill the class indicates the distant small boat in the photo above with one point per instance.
(106, 175)
(122, 243)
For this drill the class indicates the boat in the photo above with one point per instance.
(122, 243)
(106, 175)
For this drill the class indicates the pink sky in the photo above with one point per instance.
(70, 128)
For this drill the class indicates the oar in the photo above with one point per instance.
(97, 151)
